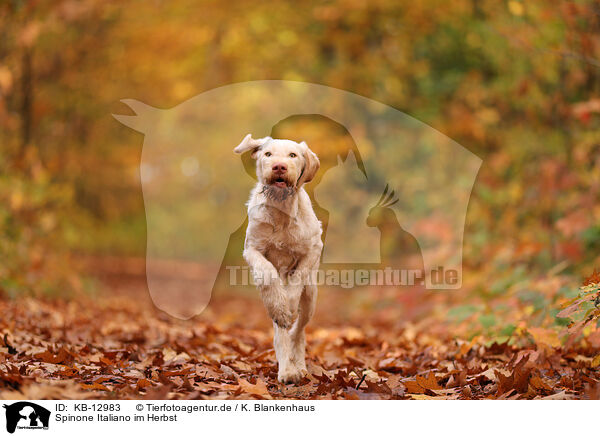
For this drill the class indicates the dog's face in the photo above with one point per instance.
(279, 162)
(281, 165)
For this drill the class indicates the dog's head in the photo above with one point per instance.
(282, 165)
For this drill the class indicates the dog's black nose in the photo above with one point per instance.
(279, 168)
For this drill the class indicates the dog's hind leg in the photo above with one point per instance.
(306, 309)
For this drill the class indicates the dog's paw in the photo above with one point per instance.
(290, 375)
(301, 367)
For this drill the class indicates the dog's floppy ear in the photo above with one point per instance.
(311, 165)
(251, 144)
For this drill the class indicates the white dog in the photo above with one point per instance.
(283, 244)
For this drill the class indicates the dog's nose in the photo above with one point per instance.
(279, 168)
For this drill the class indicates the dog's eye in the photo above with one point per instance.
(268, 153)
(292, 154)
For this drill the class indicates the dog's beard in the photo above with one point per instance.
(276, 193)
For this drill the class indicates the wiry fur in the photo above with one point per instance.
(277, 194)
(283, 246)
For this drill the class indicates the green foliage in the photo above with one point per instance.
(461, 313)
(581, 310)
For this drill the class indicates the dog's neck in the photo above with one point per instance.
(288, 206)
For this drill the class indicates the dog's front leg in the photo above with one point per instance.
(278, 305)
(284, 344)
(305, 300)
(306, 309)
(271, 288)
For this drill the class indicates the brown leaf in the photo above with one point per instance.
(428, 382)
(143, 383)
(466, 391)
(412, 387)
(539, 384)
(63, 356)
(379, 388)
(260, 388)
(94, 386)
(505, 383)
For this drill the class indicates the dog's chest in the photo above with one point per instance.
(286, 244)
(289, 237)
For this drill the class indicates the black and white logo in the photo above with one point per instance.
(26, 415)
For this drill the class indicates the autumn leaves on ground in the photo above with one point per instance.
(116, 345)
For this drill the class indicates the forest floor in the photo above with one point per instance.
(115, 344)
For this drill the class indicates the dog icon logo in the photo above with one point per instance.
(26, 415)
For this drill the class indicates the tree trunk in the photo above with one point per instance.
(26, 102)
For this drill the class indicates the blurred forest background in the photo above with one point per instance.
(515, 82)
